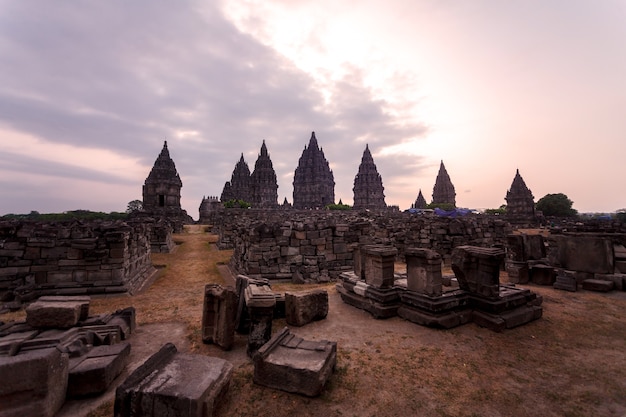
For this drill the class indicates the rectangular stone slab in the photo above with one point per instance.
(61, 314)
(290, 363)
(94, 372)
(174, 384)
(33, 383)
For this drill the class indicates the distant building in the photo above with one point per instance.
(520, 202)
(313, 182)
(238, 188)
(368, 185)
(443, 191)
(161, 190)
(420, 201)
(263, 184)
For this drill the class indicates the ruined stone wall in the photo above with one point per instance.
(318, 245)
(46, 258)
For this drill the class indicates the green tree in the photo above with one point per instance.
(236, 204)
(558, 205)
(135, 205)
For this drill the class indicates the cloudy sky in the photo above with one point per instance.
(89, 90)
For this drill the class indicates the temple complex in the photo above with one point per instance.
(263, 182)
(161, 190)
(238, 188)
(313, 181)
(368, 185)
(420, 201)
(443, 191)
(520, 203)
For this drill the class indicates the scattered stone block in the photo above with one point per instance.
(423, 267)
(585, 253)
(542, 274)
(381, 303)
(597, 285)
(94, 372)
(33, 383)
(518, 272)
(174, 384)
(242, 321)
(478, 269)
(83, 299)
(59, 314)
(379, 261)
(566, 280)
(260, 303)
(218, 315)
(304, 307)
(290, 363)
(619, 280)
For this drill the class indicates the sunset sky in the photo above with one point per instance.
(89, 91)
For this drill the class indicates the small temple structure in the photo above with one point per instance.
(443, 191)
(368, 184)
(420, 201)
(520, 203)
(238, 188)
(263, 182)
(313, 181)
(161, 190)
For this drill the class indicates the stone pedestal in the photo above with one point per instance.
(290, 363)
(448, 310)
(379, 261)
(478, 269)
(260, 304)
(518, 272)
(218, 315)
(381, 303)
(423, 270)
(305, 306)
(174, 384)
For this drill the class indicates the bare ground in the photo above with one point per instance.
(571, 362)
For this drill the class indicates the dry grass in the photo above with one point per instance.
(569, 363)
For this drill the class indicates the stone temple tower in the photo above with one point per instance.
(368, 184)
(420, 201)
(238, 188)
(313, 181)
(443, 191)
(161, 190)
(520, 203)
(263, 182)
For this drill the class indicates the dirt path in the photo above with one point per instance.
(569, 363)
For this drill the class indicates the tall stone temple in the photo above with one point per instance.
(161, 190)
(313, 181)
(420, 201)
(238, 188)
(368, 184)
(443, 191)
(264, 187)
(520, 203)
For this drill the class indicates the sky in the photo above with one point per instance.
(90, 90)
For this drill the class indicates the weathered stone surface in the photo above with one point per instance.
(443, 191)
(381, 303)
(520, 203)
(174, 384)
(304, 307)
(423, 268)
(290, 363)
(218, 315)
(379, 262)
(566, 280)
(84, 299)
(519, 272)
(60, 314)
(585, 253)
(264, 188)
(619, 280)
(260, 303)
(478, 269)
(94, 372)
(597, 285)
(542, 274)
(34, 383)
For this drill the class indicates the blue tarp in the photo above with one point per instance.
(452, 213)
